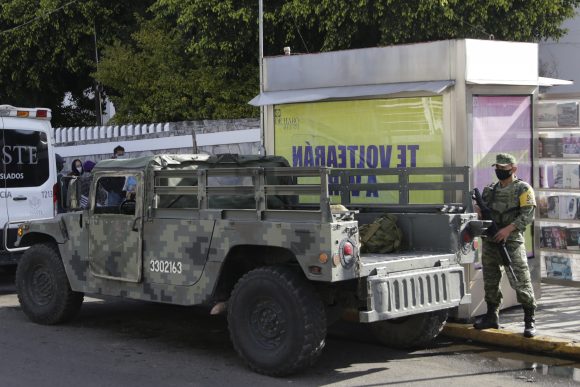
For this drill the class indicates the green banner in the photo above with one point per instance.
(378, 133)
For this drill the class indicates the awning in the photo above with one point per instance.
(541, 81)
(328, 93)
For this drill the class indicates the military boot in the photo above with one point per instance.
(489, 320)
(530, 322)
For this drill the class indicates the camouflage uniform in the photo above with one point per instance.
(515, 204)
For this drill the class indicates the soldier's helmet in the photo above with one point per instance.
(503, 159)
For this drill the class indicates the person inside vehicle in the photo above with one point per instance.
(76, 168)
(118, 152)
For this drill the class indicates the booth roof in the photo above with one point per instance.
(329, 93)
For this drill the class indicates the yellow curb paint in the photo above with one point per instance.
(514, 340)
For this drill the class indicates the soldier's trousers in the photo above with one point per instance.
(492, 271)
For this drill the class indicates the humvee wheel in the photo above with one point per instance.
(43, 288)
(410, 332)
(276, 320)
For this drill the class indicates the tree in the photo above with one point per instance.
(198, 59)
(220, 39)
(47, 52)
(351, 24)
(151, 79)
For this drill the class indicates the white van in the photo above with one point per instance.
(27, 172)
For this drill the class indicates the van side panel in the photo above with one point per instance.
(29, 171)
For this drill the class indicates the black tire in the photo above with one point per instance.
(276, 320)
(416, 331)
(43, 288)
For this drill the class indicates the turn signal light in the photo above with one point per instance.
(21, 113)
(21, 229)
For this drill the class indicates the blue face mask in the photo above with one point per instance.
(503, 174)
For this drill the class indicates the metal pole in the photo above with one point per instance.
(261, 64)
(99, 110)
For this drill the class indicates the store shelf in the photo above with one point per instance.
(560, 160)
(556, 143)
(564, 221)
(562, 282)
(558, 251)
(571, 129)
(571, 191)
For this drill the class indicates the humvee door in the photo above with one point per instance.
(116, 226)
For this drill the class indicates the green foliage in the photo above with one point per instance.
(47, 54)
(198, 59)
(365, 23)
(151, 78)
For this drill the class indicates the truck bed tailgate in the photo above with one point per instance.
(428, 282)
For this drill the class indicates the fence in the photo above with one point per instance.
(96, 143)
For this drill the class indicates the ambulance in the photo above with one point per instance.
(27, 173)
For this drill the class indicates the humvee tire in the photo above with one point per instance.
(415, 331)
(43, 288)
(276, 321)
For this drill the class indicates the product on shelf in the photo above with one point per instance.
(568, 114)
(568, 207)
(553, 237)
(566, 176)
(559, 267)
(573, 238)
(571, 176)
(570, 146)
(543, 206)
(547, 115)
(550, 147)
(553, 210)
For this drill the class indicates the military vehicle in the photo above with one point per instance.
(261, 240)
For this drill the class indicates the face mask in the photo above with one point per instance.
(121, 156)
(502, 174)
(79, 169)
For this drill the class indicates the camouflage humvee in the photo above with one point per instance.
(257, 238)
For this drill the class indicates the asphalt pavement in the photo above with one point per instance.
(557, 324)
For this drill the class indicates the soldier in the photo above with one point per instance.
(512, 204)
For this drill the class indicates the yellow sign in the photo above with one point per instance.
(378, 133)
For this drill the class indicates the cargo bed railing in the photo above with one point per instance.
(454, 186)
(308, 190)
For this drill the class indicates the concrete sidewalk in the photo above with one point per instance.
(557, 324)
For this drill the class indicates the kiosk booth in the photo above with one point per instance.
(444, 103)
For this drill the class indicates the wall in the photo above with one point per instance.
(559, 59)
(240, 136)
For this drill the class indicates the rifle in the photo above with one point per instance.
(492, 230)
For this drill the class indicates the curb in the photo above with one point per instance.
(501, 337)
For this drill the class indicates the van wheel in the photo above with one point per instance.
(276, 320)
(43, 288)
(416, 331)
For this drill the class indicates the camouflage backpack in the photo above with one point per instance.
(381, 236)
